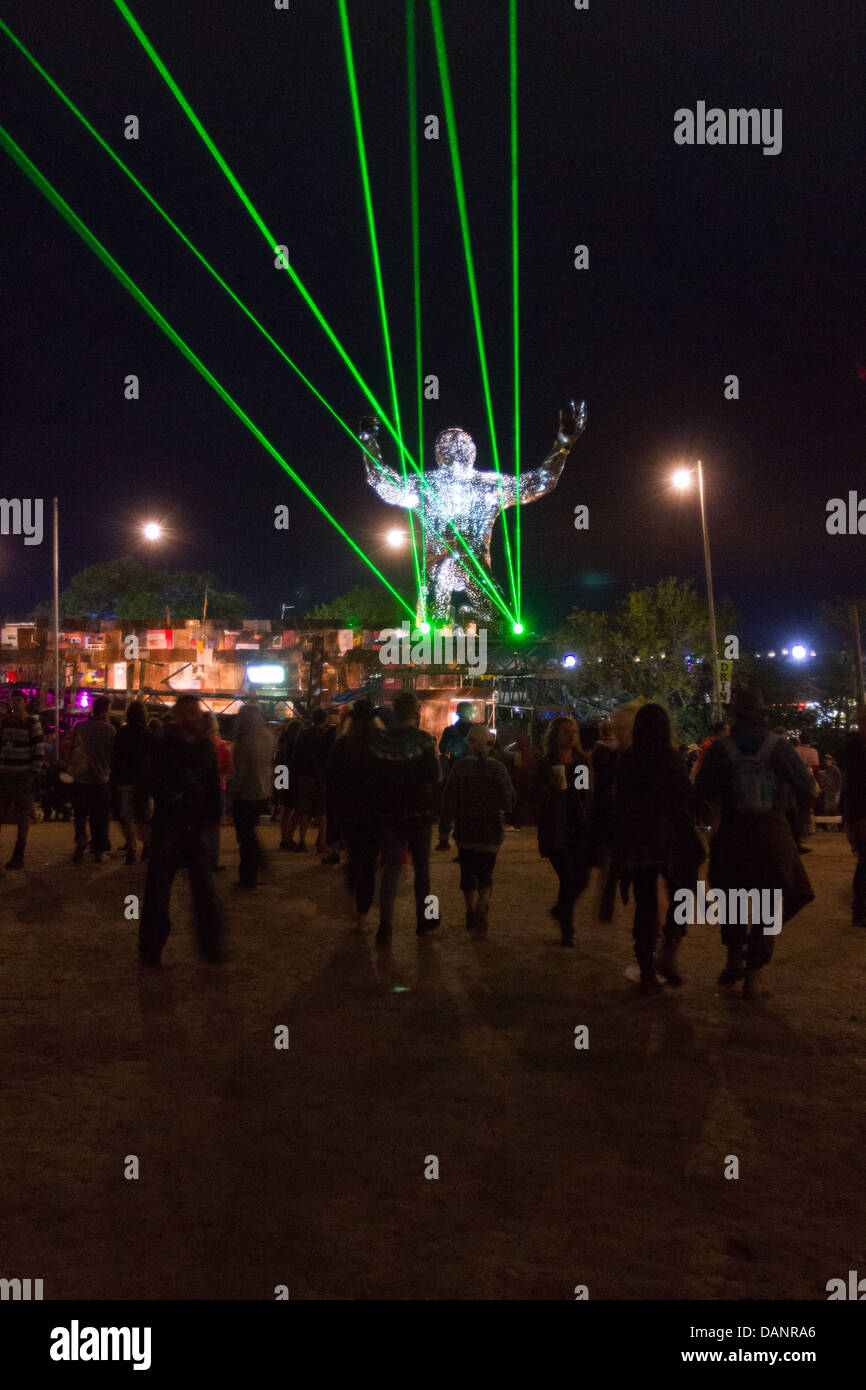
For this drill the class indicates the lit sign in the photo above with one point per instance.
(266, 675)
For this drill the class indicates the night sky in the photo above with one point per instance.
(704, 261)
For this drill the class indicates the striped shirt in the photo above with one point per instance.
(21, 746)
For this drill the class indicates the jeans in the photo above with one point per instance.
(363, 846)
(646, 913)
(394, 836)
(92, 801)
(173, 848)
(573, 876)
(246, 817)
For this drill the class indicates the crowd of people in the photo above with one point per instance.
(642, 811)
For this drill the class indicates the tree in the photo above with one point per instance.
(655, 645)
(131, 591)
(366, 605)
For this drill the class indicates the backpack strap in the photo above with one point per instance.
(765, 752)
(763, 755)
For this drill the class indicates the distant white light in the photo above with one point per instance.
(569, 661)
(396, 538)
(784, 651)
(798, 652)
(266, 675)
(152, 531)
(771, 653)
(682, 478)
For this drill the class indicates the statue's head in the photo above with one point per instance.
(455, 449)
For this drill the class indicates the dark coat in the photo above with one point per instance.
(180, 774)
(654, 817)
(563, 814)
(757, 851)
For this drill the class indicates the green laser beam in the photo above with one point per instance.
(451, 126)
(180, 233)
(253, 212)
(512, 66)
(271, 241)
(374, 248)
(227, 288)
(412, 67)
(38, 178)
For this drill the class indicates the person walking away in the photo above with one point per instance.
(90, 766)
(720, 729)
(655, 838)
(453, 745)
(253, 786)
(287, 796)
(332, 832)
(809, 757)
(179, 779)
(407, 778)
(522, 767)
(225, 770)
(830, 782)
(128, 752)
(310, 758)
(753, 847)
(476, 798)
(852, 758)
(350, 776)
(562, 791)
(22, 757)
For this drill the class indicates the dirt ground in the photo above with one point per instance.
(306, 1167)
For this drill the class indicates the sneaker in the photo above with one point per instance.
(129, 857)
(442, 845)
(383, 938)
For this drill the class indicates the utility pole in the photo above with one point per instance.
(717, 690)
(854, 619)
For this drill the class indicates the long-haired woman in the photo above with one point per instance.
(562, 791)
(655, 837)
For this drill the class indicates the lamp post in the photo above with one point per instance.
(682, 479)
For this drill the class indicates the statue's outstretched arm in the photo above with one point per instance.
(538, 481)
(391, 487)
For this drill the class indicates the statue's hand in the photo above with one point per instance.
(572, 421)
(370, 425)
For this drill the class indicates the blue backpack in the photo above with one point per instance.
(753, 788)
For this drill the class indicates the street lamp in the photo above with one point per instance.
(682, 479)
(396, 538)
(152, 531)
